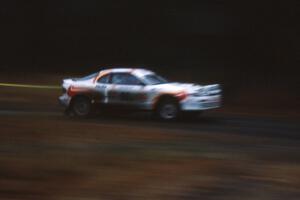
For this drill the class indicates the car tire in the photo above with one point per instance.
(167, 110)
(81, 107)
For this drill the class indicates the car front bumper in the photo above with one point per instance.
(200, 103)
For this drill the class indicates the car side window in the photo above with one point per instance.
(125, 79)
(104, 79)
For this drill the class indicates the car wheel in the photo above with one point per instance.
(81, 106)
(167, 110)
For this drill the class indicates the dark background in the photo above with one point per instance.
(241, 44)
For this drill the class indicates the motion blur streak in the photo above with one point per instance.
(44, 155)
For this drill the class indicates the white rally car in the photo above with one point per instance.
(137, 89)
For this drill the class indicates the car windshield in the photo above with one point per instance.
(153, 79)
(89, 76)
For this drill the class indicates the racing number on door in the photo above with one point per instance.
(116, 95)
(127, 88)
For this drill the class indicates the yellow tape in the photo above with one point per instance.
(30, 86)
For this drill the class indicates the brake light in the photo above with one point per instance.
(70, 91)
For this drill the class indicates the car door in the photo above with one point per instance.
(102, 86)
(126, 90)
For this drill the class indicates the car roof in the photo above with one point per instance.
(135, 71)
